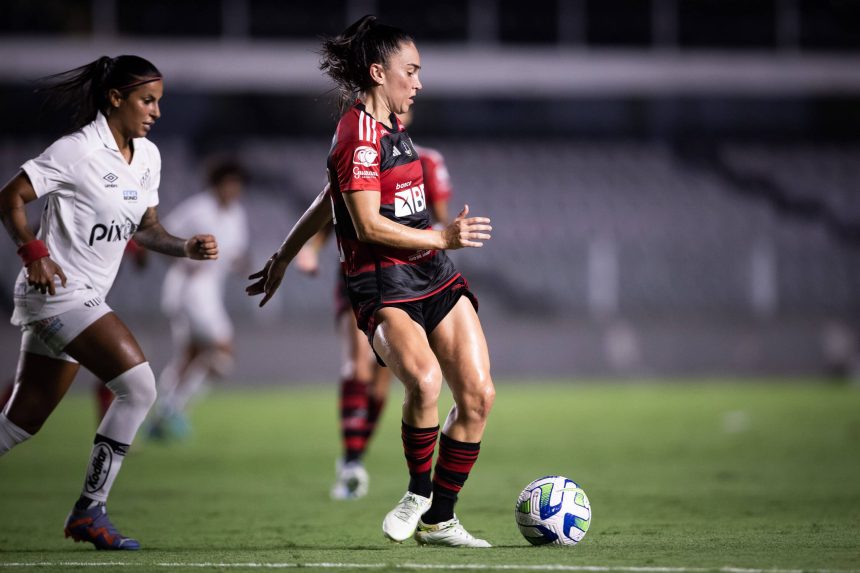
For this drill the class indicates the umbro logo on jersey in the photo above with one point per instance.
(110, 178)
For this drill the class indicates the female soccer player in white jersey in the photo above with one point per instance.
(192, 297)
(408, 298)
(101, 185)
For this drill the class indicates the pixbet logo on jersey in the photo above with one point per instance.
(112, 232)
(409, 201)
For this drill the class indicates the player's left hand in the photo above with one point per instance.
(201, 247)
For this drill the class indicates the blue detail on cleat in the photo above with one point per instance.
(94, 526)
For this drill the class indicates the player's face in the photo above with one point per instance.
(229, 189)
(138, 111)
(401, 78)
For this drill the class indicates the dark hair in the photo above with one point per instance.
(220, 168)
(85, 89)
(347, 57)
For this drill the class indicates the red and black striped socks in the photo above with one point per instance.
(452, 470)
(353, 418)
(418, 445)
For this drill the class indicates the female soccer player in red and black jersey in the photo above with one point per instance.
(364, 384)
(407, 297)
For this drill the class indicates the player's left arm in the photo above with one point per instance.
(152, 235)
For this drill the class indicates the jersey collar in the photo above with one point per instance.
(395, 121)
(105, 133)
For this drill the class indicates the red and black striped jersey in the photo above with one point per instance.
(366, 155)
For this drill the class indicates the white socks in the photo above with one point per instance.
(135, 393)
(10, 435)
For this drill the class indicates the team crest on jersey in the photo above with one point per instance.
(144, 179)
(409, 201)
(365, 156)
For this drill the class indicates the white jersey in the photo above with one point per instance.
(95, 201)
(201, 282)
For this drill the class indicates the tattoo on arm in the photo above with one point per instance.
(151, 235)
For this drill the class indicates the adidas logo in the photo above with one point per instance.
(395, 153)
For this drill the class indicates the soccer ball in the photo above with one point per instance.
(553, 509)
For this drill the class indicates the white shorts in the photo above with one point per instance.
(50, 336)
(204, 324)
(194, 303)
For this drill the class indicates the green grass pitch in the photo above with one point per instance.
(681, 477)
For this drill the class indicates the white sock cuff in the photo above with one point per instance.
(10, 434)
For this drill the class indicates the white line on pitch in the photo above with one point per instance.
(421, 566)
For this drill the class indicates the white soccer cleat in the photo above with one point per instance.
(352, 481)
(400, 523)
(447, 534)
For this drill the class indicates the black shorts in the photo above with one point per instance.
(428, 312)
(341, 297)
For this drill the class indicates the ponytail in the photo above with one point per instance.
(84, 90)
(347, 57)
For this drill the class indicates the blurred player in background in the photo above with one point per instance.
(364, 383)
(193, 297)
(101, 182)
(408, 298)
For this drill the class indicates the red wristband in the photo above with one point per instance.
(33, 251)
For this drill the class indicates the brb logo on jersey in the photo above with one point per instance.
(113, 232)
(409, 201)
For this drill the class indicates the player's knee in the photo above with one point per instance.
(424, 388)
(475, 403)
(135, 386)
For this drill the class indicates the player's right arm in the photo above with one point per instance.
(13, 198)
(269, 278)
(373, 227)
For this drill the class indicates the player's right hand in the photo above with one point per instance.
(40, 275)
(268, 279)
(466, 231)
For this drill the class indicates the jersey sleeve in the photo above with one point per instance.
(53, 169)
(355, 157)
(155, 178)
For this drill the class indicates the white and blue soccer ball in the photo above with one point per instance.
(553, 509)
